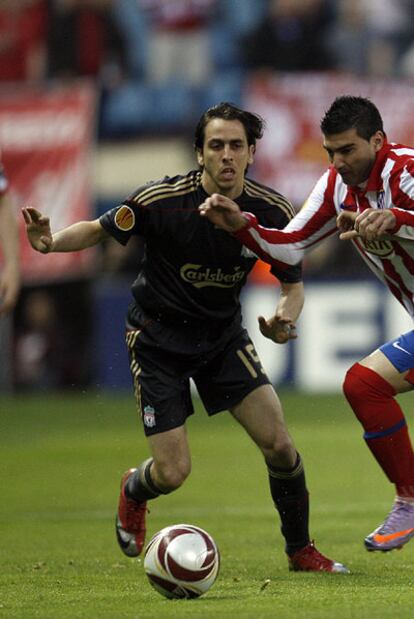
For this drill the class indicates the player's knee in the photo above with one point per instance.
(360, 389)
(363, 384)
(366, 392)
(172, 476)
(280, 451)
(353, 387)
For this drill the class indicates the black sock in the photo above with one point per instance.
(291, 499)
(140, 486)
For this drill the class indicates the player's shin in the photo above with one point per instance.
(291, 499)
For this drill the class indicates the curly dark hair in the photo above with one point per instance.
(252, 123)
(348, 112)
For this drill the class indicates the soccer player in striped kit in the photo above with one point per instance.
(185, 322)
(368, 193)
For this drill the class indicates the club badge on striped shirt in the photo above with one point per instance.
(380, 199)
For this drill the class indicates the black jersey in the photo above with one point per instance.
(192, 270)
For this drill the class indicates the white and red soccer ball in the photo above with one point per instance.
(182, 561)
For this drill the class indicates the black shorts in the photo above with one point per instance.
(163, 357)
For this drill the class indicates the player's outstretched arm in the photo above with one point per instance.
(76, 237)
(223, 213)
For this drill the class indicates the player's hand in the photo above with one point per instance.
(374, 224)
(223, 213)
(38, 230)
(9, 288)
(345, 223)
(370, 225)
(280, 330)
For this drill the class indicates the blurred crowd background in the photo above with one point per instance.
(154, 67)
(156, 63)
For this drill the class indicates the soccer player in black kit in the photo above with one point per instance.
(185, 322)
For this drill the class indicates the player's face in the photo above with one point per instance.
(225, 157)
(352, 156)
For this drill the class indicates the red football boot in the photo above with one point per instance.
(130, 521)
(308, 559)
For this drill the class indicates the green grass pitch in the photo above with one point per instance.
(60, 465)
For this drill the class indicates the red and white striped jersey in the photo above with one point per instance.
(390, 185)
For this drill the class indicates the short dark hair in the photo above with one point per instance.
(349, 112)
(252, 123)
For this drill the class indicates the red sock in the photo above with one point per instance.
(386, 434)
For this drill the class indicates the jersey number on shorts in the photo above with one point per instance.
(247, 356)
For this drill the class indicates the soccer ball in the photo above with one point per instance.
(182, 561)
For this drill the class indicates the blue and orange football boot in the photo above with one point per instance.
(396, 530)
